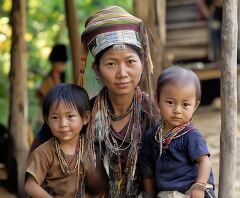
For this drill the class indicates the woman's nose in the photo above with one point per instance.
(121, 71)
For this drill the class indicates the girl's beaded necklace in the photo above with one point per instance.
(65, 166)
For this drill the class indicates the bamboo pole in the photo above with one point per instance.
(74, 37)
(18, 93)
(229, 101)
(238, 50)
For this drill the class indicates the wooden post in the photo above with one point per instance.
(74, 37)
(18, 92)
(238, 46)
(229, 101)
(153, 14)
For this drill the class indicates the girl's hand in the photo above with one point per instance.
(197, 194)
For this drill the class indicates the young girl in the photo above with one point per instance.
(55, 167)
(175, 149)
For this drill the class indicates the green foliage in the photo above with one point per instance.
(45, 27)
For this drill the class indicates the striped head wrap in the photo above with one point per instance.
(110, 26)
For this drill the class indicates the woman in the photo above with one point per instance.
(121, 112)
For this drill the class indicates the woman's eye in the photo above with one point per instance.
(110, 64)
(131, 61)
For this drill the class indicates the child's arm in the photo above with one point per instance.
(34, 190)
(204, 168)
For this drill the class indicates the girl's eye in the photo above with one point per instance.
(53, 117)
(186, 104)
(71, 116)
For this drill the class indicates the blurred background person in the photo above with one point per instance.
(58, 58)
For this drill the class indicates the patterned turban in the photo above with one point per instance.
(110, 26)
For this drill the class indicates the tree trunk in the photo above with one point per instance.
(74, 37)
(153, 13)
(229, 101)
(18, 91)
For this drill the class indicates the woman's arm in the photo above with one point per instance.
(34, 190)
(149, 187)
(146, 165)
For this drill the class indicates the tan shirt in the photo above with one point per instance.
(43, 165)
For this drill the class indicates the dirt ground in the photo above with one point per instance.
(208, 120)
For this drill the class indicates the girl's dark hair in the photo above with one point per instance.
(72, 95)
(178, 75)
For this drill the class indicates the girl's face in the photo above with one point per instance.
(65, 122)
(177, 104)
(121, 70)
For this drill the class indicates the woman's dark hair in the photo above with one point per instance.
(178, 75)
(72, 95)
(135, 48)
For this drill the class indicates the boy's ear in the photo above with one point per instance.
(86, 117)
(197, 104)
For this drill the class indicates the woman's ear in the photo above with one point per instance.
(95, 68)
(86, 117)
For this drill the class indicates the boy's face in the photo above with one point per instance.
(177, 104)
(65, 122)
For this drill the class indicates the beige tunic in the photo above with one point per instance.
(43, 165)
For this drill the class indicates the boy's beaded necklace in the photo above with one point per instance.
(173, 134)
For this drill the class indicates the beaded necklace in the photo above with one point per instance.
(121, 182)
(78, 155)
(112, 141)
(173, 134)
(115, 117)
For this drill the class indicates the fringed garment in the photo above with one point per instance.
(118, 150)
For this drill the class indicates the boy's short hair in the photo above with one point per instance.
(178, 75)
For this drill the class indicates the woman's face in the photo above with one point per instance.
(120, 70)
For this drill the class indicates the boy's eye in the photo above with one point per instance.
(186, 104)
(170, 102)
